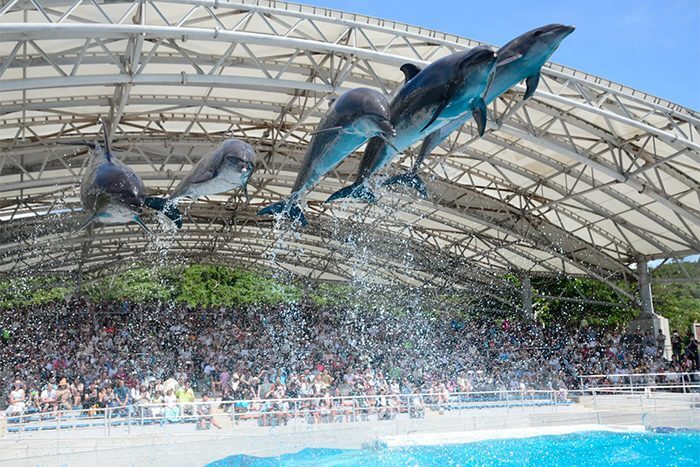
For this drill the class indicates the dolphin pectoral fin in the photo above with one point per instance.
(88, 221)
(326, 130)
(165, 206)
(409, 71)
(138, 220)
(410, 180)
(429, 143)
(291, 210)
(353, 191)
(437, 113)
(245, 194)
(531, 82)
(479, 114)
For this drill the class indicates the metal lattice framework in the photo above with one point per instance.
(587, 178)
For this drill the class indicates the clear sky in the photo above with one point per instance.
(651, 45)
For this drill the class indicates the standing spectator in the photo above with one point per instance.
(205, 417)
(676, 345)
(692, 351)
(660, 343)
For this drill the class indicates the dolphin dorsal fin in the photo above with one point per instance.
(409, 71)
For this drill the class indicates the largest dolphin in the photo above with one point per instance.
(354, 117)
(520, 59)
(110, 192)
(431, 98)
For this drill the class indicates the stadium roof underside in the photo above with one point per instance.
(587, 178)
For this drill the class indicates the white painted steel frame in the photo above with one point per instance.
(588, 177)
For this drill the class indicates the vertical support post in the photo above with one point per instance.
(527, 298)
(645, 289)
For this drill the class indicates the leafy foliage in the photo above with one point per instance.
(572, 313)
(31, 291)
(679, 302)
(213, 286)
(141, 285)
(216, 286)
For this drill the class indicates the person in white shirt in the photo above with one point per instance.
(17, 399)
(48, 398)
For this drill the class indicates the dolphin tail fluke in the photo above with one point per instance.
(360, 191)
(290, 210)
(167, 207)
(531, 82)
(410, 180)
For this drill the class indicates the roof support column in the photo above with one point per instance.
(645, 289)
(527, 298)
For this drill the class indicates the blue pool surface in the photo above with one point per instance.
(587, 448)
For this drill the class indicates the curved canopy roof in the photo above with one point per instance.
(586, 178)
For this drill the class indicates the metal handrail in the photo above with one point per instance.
(305, 407)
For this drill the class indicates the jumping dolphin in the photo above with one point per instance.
(111, 193)
(520, 59)
(354, 117)
(226, 168)
(430, 98)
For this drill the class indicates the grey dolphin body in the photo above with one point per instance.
(110, 192)
(226, 168)
(520, 59)
(354, 117)
(443, 91)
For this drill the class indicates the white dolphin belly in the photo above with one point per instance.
(227, 179)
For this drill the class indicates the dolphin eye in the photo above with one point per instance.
(538, 33)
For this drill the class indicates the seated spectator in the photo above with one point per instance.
(185, 397)
(16, 400)
(48, 398)
(64, 398)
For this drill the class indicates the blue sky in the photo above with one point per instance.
(651, 45)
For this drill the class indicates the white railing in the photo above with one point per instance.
(638, 381)
(318, 410)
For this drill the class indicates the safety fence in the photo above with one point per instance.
(638, 381)
(319, 410)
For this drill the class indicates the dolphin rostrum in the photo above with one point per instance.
(226, 168)
(110, 191)
(431, 98)
(520, 59)
(354, 117)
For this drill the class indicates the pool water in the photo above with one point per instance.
(587, 448)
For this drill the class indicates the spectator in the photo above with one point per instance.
(16, 400)
(676, 345)
(205, 418)
(660, 343)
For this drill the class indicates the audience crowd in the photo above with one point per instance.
(80, 355)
